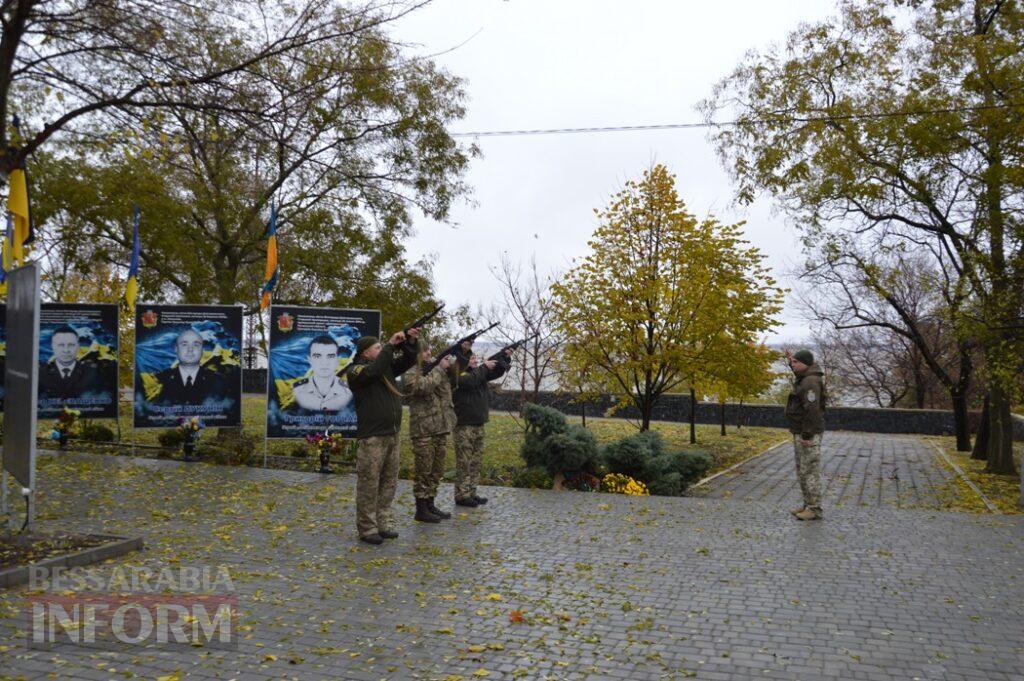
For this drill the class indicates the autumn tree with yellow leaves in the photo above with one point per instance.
(662, 297)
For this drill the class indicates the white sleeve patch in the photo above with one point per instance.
(811, 397)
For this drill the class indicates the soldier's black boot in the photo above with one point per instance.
(423, 513)
(443, 515)
(480, 501)
(467, 501)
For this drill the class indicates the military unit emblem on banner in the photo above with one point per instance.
(150, 319)
(285, 322)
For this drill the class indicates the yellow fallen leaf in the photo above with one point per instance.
(270, 657)
(477, 649)
(481, 672)
(494, 597)
(496, 646)
(176, 676)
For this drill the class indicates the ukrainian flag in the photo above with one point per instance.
(131, 289)
(18, 205)
(273, 271)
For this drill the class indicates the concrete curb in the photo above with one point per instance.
(736, 465)
(117, 546)
(963, 476)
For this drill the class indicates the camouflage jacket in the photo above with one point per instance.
(430, 402)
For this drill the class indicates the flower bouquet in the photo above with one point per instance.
(325, 444)
(65, 420)
(190, 430)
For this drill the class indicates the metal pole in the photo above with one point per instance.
(266, 393)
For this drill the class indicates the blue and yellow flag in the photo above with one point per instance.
(6, 262)
(273, 271)
(18, 204)
(131, 288)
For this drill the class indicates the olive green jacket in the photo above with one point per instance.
(805, 408)
(378, 402)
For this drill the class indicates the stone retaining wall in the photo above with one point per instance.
(677, 408)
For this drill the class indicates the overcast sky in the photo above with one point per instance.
(581, 63)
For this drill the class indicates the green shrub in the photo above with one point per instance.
(551, 443)
(172, 437)
(300, 451)
(643, 458)
(534, 477)
(96, 432)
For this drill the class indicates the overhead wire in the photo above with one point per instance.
(737, 122)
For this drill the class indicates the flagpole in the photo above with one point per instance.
(131, 291)
(269, 282)
(266, 395)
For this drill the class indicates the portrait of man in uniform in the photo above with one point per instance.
(65, 376)
(322, 391)
(188, 382)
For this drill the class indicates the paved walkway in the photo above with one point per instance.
(859, 469)
(608, 587)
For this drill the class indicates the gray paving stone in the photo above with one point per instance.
(612, 587)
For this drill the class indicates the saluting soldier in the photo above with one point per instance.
(379, 413)
(431, 419)
(322, 390)
(472, 410)
(805, 411)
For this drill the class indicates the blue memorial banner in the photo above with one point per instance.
(309, 348)
(78, 359)
(187, 364)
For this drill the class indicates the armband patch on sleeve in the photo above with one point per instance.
(357, 368)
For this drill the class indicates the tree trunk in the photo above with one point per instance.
(693, 416)
(1000, 445)
(646, 407)
(739, 416)
(980, 451)
(721, 407)
(960, 424)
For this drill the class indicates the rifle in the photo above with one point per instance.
(453, 349)
(415, 325)
(424, 319)
(513, 346)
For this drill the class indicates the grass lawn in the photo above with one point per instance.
(504, 437)
(1001, 490)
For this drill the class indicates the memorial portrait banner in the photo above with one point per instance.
(187, 363)
(309, 347)
(78, 359)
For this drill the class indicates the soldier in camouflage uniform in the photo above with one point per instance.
(805, 411)
(472, 411)
(431, 419)
(379, 413)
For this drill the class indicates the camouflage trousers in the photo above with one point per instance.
(376, 479)
(808, 470)
(429, 452)
(469, 454)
